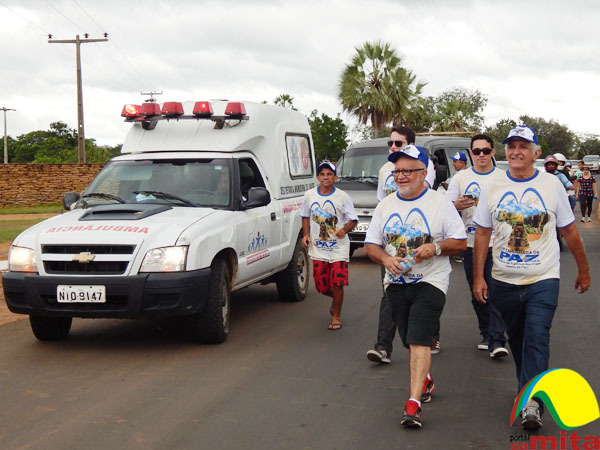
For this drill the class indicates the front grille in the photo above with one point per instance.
(94, 249)
(77, 268)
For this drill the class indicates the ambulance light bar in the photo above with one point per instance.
(203, 109)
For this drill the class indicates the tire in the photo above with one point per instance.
(212, 325)
(292, 283)
(50, 328)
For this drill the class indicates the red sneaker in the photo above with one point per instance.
(412, 415)
(428, 389)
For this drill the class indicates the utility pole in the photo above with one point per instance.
(3, 109)
(151, 94)
(80, 129)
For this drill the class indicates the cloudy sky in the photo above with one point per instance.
(538, 57)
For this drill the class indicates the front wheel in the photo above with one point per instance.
(292, 283)
(50, 328)
(212, 325)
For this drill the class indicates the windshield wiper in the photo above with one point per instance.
(104, 195)
(166, 196)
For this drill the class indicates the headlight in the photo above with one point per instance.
(21, 259)
(165, 259)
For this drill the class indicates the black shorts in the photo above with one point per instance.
(416, 309)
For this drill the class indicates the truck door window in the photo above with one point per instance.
(249, 176)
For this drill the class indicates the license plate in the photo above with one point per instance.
(80, 294)
(363, 226)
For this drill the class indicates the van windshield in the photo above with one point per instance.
(591, 158)
(362, 163)
(177, 182)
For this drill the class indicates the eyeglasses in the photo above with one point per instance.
(477, 151)
(405, 172)
(397, 143)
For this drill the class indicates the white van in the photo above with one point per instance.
(593, 162)
(203, 201)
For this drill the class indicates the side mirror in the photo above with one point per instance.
(69, 199)
(257, 196)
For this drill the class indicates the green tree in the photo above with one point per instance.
(459, 109)
(375, 86)
(498, 133)
(552, 136)
(589, 144)
(285, 100)
(330, 136)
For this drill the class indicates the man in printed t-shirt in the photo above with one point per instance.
(386, 328)
(327, 216)
(524, 208)
(420, 225)
(463, 192)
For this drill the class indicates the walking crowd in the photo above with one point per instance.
(504, 226)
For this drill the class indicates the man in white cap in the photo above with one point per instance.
(523, 208)
(419, 226)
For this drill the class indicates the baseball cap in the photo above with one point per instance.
(459, 156)
(411, 151)
(523, 132)
(326, 165)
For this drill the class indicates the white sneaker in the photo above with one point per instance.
(498, 352)
(583, 219)
(589, 219)
(379, 356)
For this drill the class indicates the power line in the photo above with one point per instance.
(58, 11)
(112, 42)
(25, 19)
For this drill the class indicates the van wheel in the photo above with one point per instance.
(50, 328)
(292, 283)
(212, 325)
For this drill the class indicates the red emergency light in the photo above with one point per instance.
(172, 109)
(235, 109)
(130, 111)
(149, 109)
(203, 109)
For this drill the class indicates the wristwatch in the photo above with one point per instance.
(438, 249)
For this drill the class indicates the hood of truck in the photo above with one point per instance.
(158, 227)
(362, 193)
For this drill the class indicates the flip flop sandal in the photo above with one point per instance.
(334, 326)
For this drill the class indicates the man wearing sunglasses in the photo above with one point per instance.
(399, 137)
(463, 191)
(523, 208)
(420, 225)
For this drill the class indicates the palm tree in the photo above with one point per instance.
(375, 86)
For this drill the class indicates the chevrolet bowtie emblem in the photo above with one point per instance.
(84, 258)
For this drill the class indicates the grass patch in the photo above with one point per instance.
(9, 229)
(39, 209)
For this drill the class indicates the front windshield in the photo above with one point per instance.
(591, 158)
(177, 182)
(364, 162)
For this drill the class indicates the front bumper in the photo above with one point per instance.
(150, 295)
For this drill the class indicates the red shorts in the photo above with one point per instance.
(328, 274)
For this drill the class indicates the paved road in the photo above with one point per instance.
(281, 381)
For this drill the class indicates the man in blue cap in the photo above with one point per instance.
(523, 208)
(419, 226)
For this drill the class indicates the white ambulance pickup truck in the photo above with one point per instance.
(203, 201)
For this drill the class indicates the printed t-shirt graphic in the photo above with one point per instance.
(327, 214)
(524, 215)
(469, 182)
(402, 225)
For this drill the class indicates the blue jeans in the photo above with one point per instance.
(489, 319)
(527, 312)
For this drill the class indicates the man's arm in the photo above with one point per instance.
(448, 246)
(480, 249)
(305, 232)
(571, 235)
(346, 229)
(379, 256)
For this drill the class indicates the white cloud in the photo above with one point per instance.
(536, 58)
